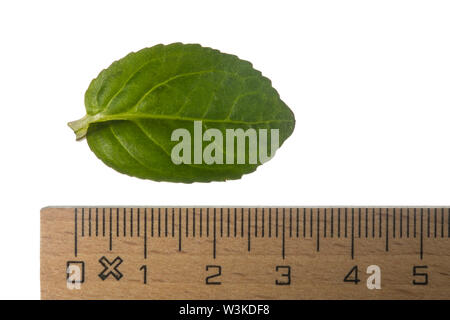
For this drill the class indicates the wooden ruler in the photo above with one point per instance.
(245, 253)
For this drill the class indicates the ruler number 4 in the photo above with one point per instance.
(373, 281)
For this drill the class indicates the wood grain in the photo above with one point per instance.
(320, 245)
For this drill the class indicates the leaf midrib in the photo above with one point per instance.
(136, 116)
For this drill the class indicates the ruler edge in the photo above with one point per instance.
(43, 211)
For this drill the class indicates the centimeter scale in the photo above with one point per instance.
(245, 253)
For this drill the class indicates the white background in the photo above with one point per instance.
(368, 81)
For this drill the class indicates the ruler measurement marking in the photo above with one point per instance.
(138, 222)
(110, 229)
(249, 221)
(103, 222)
(346, 223)
(366, 221)
(305, 223)
(359, 222)
(283, 241)
(145, 233)
(228, 222)
(290, 222)
(448, 222)
(90, 224)
(415, 223)
(339, 222)
(166, 223)
(435, 222)
(172, 210)
(82, 222)
(159, 223)
(318, 229)
(96, 222)
(124, 222)
(256, 222)
(387, 229)
(332, 223)
(179, 229)
(235, 222)
(214, 231)
(131, 222)
(421, 233)
(270, 222)
(373, 223)
(353, 235)
(276, 222)
(221, 222)
(393, 224)
(193, 222)
(187, 222)
(76, 232)
(201, 222)
(152, 227)
(117, 222)
(395, 229)
(380, 224)
(407, 223)
(401, 223)
(262, 223)
(207, 222)
(242, 222)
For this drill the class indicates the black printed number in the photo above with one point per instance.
(144, 271)
(285, 274)
(352, 276)
(419, 272)
(218, 270)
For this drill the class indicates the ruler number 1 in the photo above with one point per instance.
(144, 271)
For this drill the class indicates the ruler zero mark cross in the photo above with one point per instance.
(110, 268)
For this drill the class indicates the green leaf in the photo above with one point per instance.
(134, 106)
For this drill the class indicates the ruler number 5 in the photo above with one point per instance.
(417, 272)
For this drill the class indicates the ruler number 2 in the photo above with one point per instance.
(218, 274)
